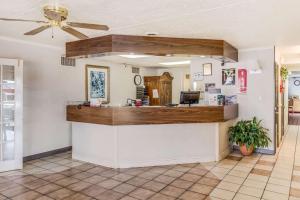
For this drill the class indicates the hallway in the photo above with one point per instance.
(294, 118)
(239, 178)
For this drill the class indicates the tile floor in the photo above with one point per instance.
(239, 178)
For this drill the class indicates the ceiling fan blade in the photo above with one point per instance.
(38, 30)
(88, 26)
(74, 32)
(22, 20)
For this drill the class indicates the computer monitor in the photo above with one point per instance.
(189, 97)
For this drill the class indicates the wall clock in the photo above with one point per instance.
(137, 80)
(297, 83)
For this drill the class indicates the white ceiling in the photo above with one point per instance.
(243, 23)
(152, 61)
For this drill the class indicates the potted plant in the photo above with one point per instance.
(249, 134)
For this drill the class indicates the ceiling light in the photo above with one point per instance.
(134, 56)
(185, 62)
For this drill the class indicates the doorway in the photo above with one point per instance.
(11, 121)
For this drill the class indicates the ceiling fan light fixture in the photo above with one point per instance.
(56, 17)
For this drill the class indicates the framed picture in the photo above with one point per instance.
(242, 81)
(228, 76)
(97, 83)
(207, 69)
(198, 76)
(209, 86)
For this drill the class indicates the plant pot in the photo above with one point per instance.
(245, 151)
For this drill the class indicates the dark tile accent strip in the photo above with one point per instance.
(236, 158)
(45, 154)
(261, 172)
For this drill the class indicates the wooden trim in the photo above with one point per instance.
(230, 52)
(86, 81)
(151, 115)
(159, 46)
(46, 154)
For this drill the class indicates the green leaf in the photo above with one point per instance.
(249, 132)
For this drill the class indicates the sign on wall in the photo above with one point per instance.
(242, 81)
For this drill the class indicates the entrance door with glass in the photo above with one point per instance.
(11, 114)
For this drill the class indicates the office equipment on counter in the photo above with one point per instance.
(232, 99)
(140, 92)
(189, 97)
(138, 103)
(214, 96)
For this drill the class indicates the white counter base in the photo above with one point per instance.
(149, 145)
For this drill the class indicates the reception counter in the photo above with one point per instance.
(122, 137)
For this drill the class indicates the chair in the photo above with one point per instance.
(291, 105)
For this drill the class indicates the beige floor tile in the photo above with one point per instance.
(295, 192)
(234, 179)
(268, 195)
(264, 167)
(239, 196)
(278, 188)
(295, 185)
(254, 183)
(203, 189)
(189, 195)
(228, 186)
(238, 173)
(223, 194)
(258, 177)
(256, 192)
(293, 198)
(279, 181)
(172, 191)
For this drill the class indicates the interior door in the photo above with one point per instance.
(11, 104)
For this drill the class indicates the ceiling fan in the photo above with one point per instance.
(56, 17)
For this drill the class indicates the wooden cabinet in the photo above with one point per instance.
(163, 85)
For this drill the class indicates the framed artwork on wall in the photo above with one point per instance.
(198, 76)
(242, 81)
(207, 69)
(97, 83)
(228, 76)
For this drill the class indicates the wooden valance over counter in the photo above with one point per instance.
(158, 46)
(151, 115)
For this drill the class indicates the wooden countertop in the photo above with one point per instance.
(151, 115)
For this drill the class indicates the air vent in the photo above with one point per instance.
(135, 70)
(68, 61)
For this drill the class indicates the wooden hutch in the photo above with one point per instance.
(163, 85)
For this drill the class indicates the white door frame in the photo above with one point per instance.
(17, 163)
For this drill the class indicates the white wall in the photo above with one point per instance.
(259, 100)
(46, 88)
(293, 89)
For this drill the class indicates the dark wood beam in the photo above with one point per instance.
(151, 115)
(159, 46)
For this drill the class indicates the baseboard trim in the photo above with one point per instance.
(123, 163)
(258, 150)
(48, 153)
